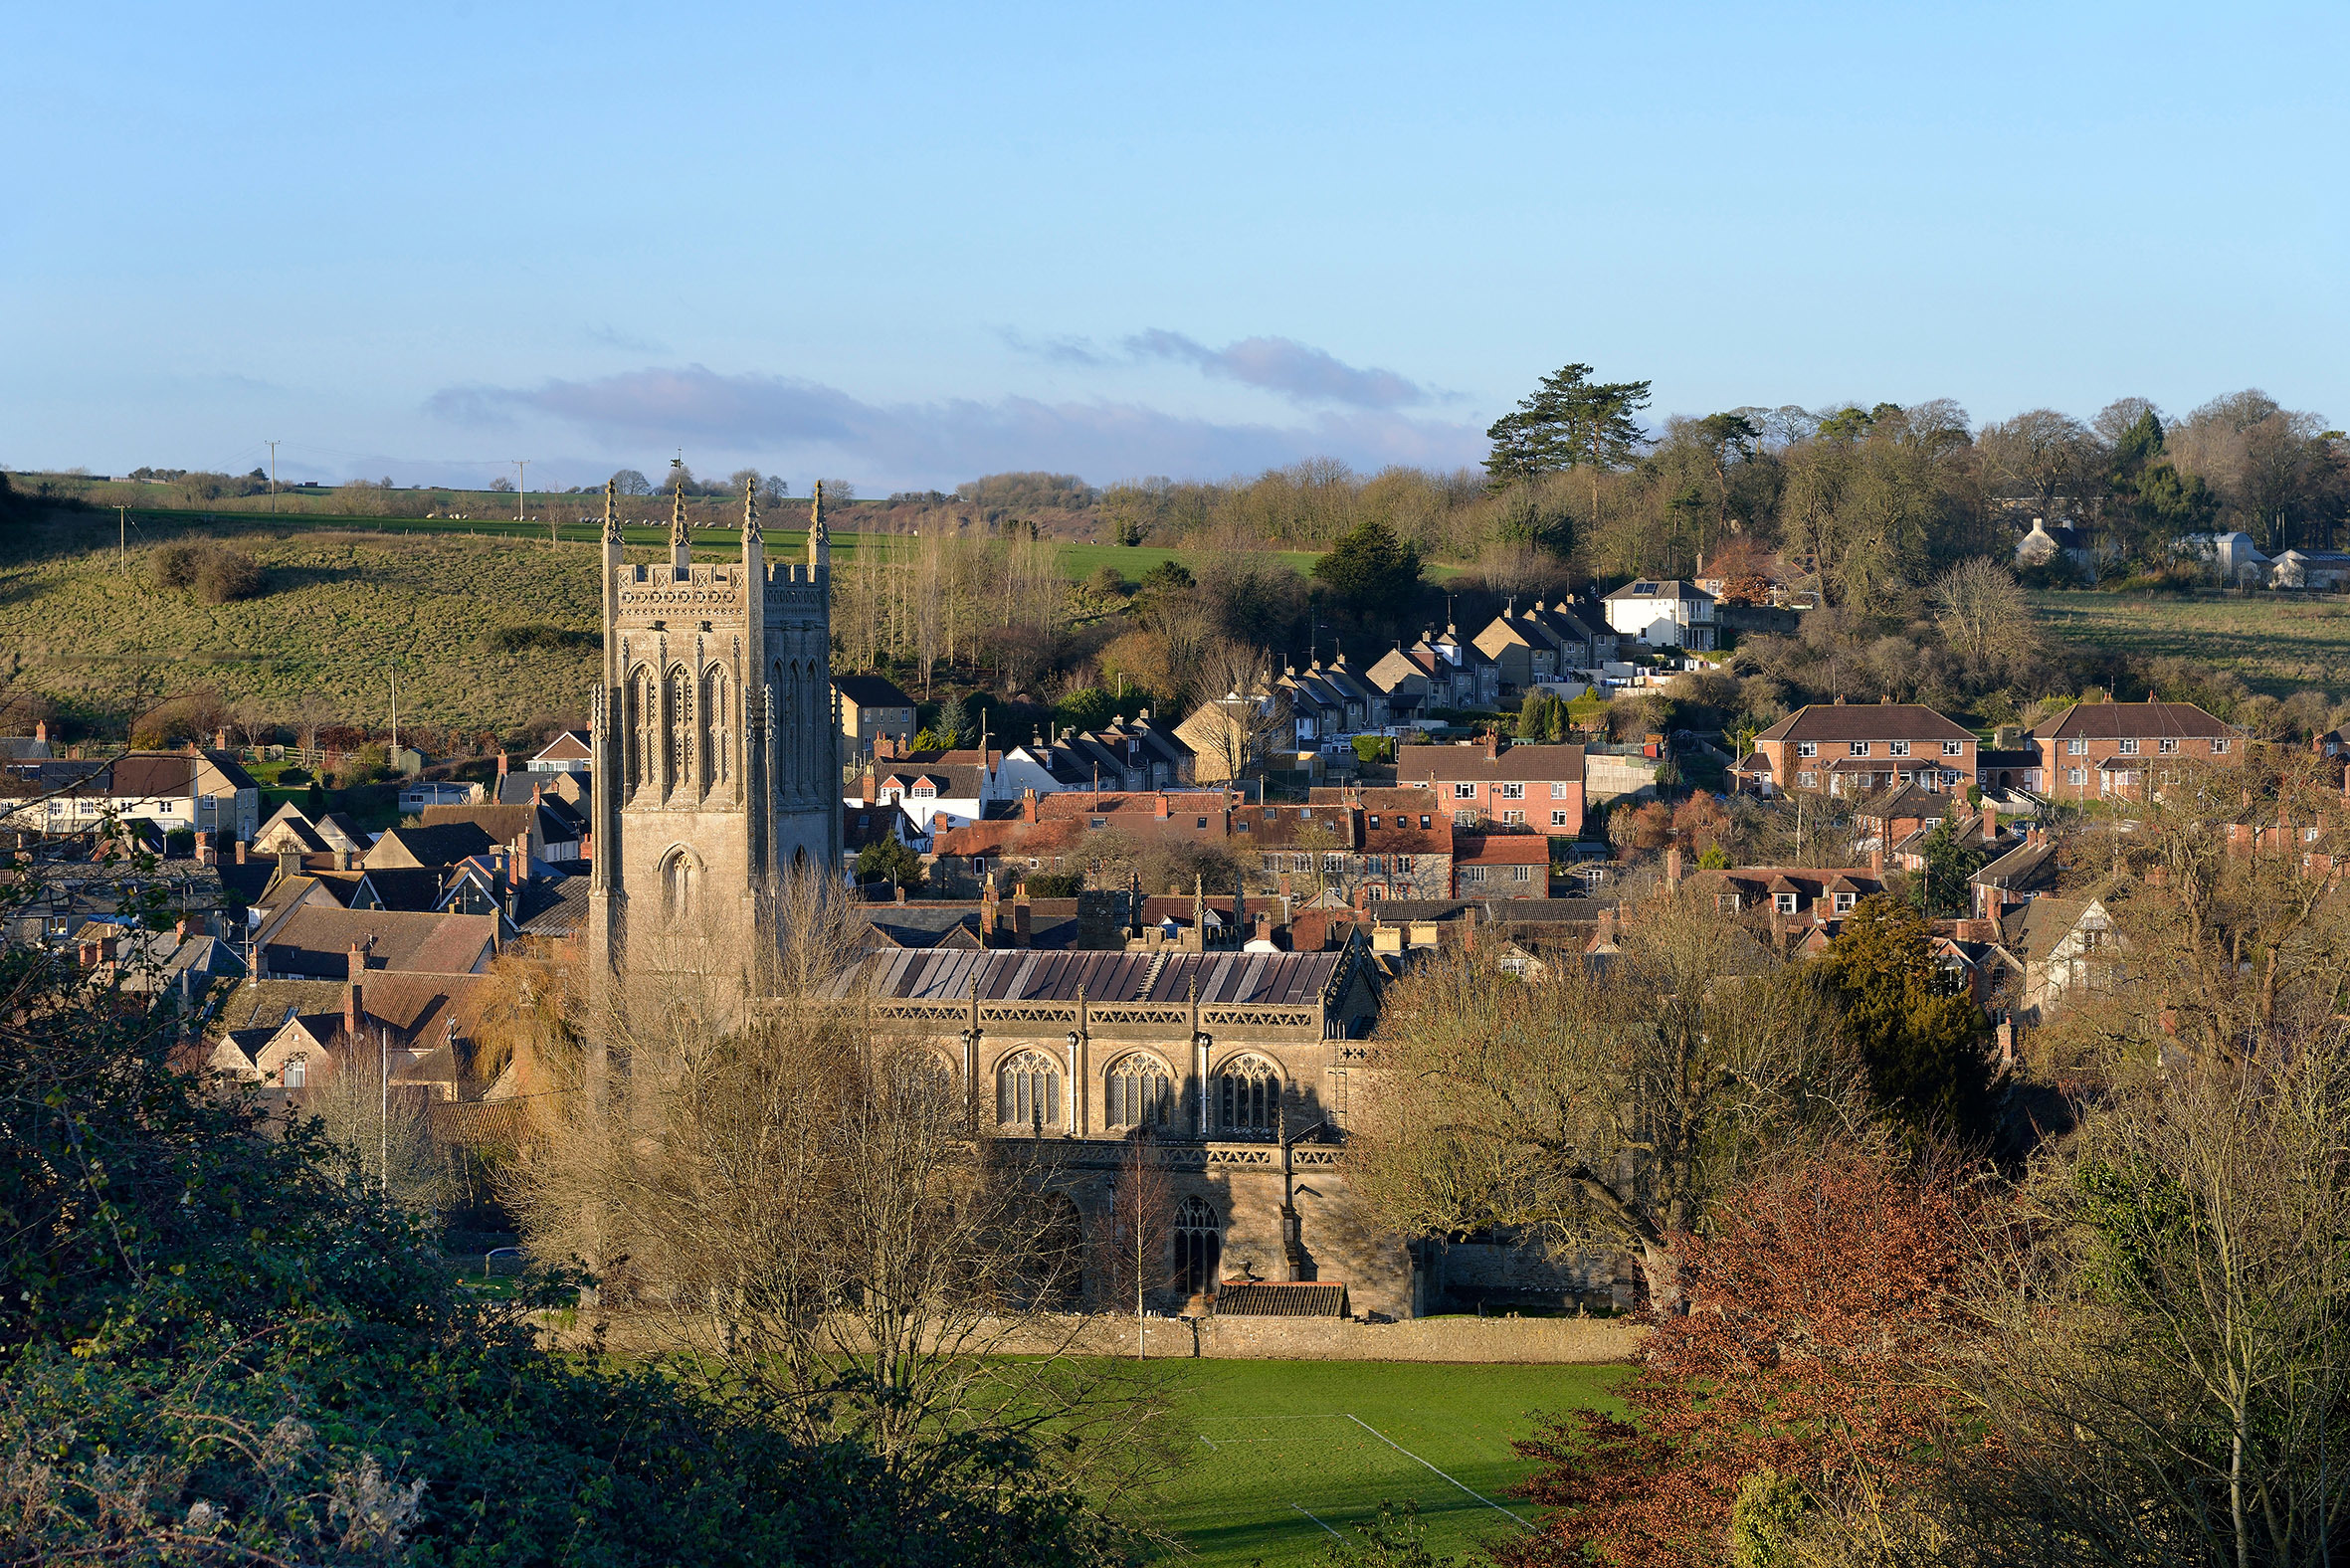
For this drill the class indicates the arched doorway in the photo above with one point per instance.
(1198, 1247)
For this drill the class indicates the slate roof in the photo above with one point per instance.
(1659, 588)
(871, 692)
(443, 844)
(557, 907)
(1270, 979)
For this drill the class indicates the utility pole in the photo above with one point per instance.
(383, 1112)
(121, 538)
(395, 663)
(273, 446)
(522, 484)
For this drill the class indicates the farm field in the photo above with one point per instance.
(1294, 1453)
(2276, 645)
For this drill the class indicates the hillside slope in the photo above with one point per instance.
(337, 608)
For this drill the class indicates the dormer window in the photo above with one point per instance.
(1785, 902)
(1844, 902)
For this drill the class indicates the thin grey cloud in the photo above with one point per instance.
(1300, 372)
(949, 439)
(609, 337)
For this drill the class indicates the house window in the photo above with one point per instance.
(1807, 780)
(1028, 1090)
(1141, 1095)
(1374, 819)
(1464, 819)
(1203, 822)
(1807, 749)
(1464, 792)
(296, 1072)
(1954, 748)
(2076, 749)
(1558, 819)
(1558, 790)
(1199, 1245)
(2129, 746)
(2169, 745)
(2076, 775)
(1514, 816)
(1425, 822)
(1858, 748)
(1899, 748)
(1521, 874)
(2219, 748)
(1376, 865)
(1514, 792)
(1784, 902)
(1844, 904)
(1332, 861)
(1249, 1097)
(1097, 822)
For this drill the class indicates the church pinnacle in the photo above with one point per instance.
(750, 513)
(611, 512)
(820, 542)
(681, 541)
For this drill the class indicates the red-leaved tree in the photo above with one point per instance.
(1820, 1307)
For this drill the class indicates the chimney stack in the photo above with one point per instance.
(204, 851)
(1264, 930)
(240, 852)
(41, 730)
(1876, 861)
(501, 764)
(289, 862)
(900, 887)
(1493, 743)
(1021, 933)
(1028, 806)
(1672, 869)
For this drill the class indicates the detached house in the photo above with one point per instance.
(1853, 749)
(191, 791)
(2094, 751)
(1660, 614)
(870, 707)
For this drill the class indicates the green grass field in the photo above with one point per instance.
(1293, 1453)
(2276, 644)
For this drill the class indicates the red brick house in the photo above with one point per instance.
(1539, 787)
(1857, 749)
(2095, 751)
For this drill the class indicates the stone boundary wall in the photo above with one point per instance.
(1479, 1341)
(1542, 1340)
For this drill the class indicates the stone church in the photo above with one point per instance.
(717, 769)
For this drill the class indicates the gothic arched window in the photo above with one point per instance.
(681, 885)
(1141, 1095)
(678, 733)
(713, 726)
(637, 723)
(1199, 1245)
(1248, 1097)
(1028, 1090)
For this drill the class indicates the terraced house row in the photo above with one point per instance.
(2091, 751)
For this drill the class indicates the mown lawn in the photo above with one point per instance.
(1293, 1453)
(2277, 644)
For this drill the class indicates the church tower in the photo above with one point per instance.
(716, 742)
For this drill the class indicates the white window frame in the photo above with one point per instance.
(1954, 748)
(1858, 748)
(1897, 748)
(1464, 792)
(1807, 749)
(1558, 819)
(2219, 748)
(2077, 747)
(1514, 792)
(2130, 745)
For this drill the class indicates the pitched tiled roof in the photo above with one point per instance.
(1516, 764)
(568, 746)
(1273, 979)
(2113, 720)
(1865, 721)
(443, 844)
(871, 692)
(554, 908)
(316, 940)
(1269, 1298)
(1497, 848)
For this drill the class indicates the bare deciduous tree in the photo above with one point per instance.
(1605, 1102)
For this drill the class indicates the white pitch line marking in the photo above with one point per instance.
(1334, 1535)
(1408, 1453)
(1204, 1439)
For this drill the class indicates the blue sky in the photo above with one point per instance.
(904, 245)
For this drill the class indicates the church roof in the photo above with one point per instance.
(1223, 979)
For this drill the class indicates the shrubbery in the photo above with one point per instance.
(215, 573)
